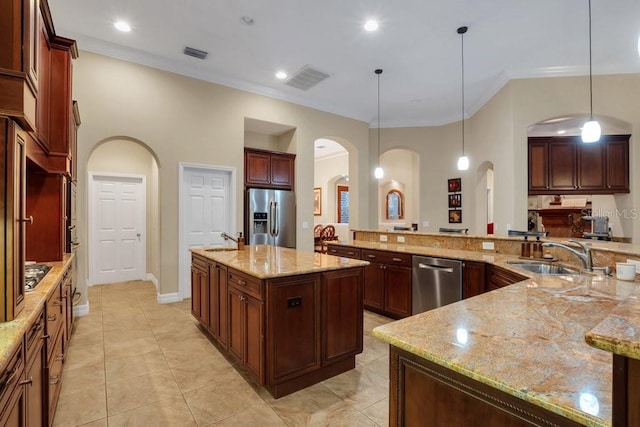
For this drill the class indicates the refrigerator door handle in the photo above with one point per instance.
(276, 230)
(272, 218)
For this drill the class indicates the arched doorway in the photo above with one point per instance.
(402, 174)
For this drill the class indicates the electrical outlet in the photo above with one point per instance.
(488, 246)
(305, 225)
(636, 263)
(383, 237)
(425, 224)
(400, 239)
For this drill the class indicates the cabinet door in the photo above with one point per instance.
(235, 307)
(254, 337)
(195, 293)
(44, 65)
(35, 387)
(14, 413)
(282, 171)
(562, 165)
(591, 166)
(293, 351)
(257, 168)
(473, 278)
(341, 314)
(538, 166)
(617, 155)
(16, 198)
(214, 301)
(374, 286)
(397, 297)
(204, 298)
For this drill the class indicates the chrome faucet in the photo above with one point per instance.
(225, 236)
(585, 255)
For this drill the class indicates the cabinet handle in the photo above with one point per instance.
(54, 379)
(46, 337)
(60, 357)
(71, 227)
(397, 259)
(10, 379)
(371, 256)
(351, 253)
(29, 220)
(52, 317)
(58, 303)
(25, 382)
(242, 282)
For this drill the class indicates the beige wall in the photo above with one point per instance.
(186, 120)
(401, 172)
(327, 171)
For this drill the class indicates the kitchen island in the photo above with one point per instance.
(514, 356)
(290, 318)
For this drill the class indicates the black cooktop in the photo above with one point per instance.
(33, 274)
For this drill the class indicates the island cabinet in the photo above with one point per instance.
(200, 289)
(387, 283)
(423, 393)
(269, 169)
(245, 305)
(218, 291)
(498, 277)
(35, 372)
(473, 278)
(565, 165)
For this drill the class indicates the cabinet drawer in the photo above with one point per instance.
(35, 334)
(199, 263)
(246, 283)
(344, 251)
(393, 258)
(11, 375)
(54, 376)
(498, 277)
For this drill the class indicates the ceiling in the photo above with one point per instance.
(416, 45)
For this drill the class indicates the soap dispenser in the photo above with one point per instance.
(537, 248)
(240, 241)
(525, 248)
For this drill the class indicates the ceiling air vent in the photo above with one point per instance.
(306, 78)
(196, 53)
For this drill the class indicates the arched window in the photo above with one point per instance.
(395, 204)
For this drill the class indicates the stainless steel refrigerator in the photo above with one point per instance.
(271, 217)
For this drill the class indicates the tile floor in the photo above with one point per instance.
(134, 362)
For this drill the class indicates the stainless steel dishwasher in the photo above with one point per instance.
(436, 282)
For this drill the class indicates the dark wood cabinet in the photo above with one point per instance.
(344, 251)
(35, 373)
(246, 323)
(387, 283)
(12, 231)
(268, 169)
(566, 165)
(12, 392)
(473, 278)
(44, 72)
(498, 277)
(218, 325)
(200, 289)
(423, 393)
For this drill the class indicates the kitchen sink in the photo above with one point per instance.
(546, 269)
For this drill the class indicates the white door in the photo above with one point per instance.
(117, 251)
(207, 207)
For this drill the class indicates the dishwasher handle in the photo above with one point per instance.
(435, 267)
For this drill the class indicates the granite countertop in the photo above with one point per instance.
(528, 339)
(11, 333)
(266, 261)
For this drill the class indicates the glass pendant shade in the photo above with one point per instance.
(591, 131)
(378, 173)
(463, 163)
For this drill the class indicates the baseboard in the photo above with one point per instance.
(168, 298)
(150, 277)
(81, 309)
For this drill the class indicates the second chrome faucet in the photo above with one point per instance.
(584, 255)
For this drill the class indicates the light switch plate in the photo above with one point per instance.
(636, 263)
(488, 246)
(383, 237)
(305, 225)
(400, 239)
(425, 224)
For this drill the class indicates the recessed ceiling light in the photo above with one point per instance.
(371, 25)
(122, 26)
(247, 20)
(281, 75)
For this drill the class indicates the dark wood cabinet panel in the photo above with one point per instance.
(35, 383)
(293, 350)
(374, 286)
(195, 292)
(12, 393)
(617, 164)
(342, 315)
(235, 310)
(344, 251)
(562, 166)
(254, 337)
(591, 167)
(498, 277)
(44, 71)
(538, 170)
(397, 299)
(268, 169)
(566, 165)
(473, 278)
(387, 283)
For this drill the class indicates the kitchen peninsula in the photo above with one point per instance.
(529, 353)
(291, 318)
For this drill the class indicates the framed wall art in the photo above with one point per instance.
(317, 201)
(455, 216)
(455, 200)
(454, 185)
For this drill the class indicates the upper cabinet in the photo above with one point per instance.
(567, 165)
(269, 169)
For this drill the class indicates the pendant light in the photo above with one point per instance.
(378, 172)
(591, 129)
(463, 161)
